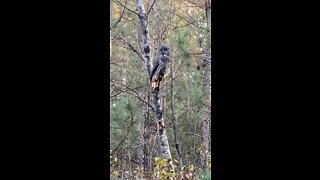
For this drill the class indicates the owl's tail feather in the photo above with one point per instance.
(155, 83)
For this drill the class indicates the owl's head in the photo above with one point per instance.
(164, 51)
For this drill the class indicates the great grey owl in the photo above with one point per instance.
(158, 71)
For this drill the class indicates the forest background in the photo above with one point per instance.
(185, 95)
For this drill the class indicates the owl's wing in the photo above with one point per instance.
(154, 70)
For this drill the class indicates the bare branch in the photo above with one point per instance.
(173, 119)
(136, 94)
(129, 44)
(191, 133)
(151, 7)
(122, 13)
(195, 23)
(126, 7)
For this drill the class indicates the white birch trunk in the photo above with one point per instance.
(146, 51)
(161, 135)
(145, 34)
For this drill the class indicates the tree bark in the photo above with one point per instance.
(206, 98)
(161, 131)
(145, 34)
(162, 138)
(161, 134)
(148, 64)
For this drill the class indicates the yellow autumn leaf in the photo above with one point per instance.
(116, 173)
(191, 167)
(162, 162)
(157, 159)
(161, 176)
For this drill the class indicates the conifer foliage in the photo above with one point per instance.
(177, 144)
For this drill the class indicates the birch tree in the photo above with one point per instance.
(161, 130)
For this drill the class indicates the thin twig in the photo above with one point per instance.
(135, 94)
(128, 43)
(151, 7)
(126, 7)
(120, 16)
(173, 119)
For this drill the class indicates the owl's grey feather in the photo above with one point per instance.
(158, 71)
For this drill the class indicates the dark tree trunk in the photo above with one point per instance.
(207, 98)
